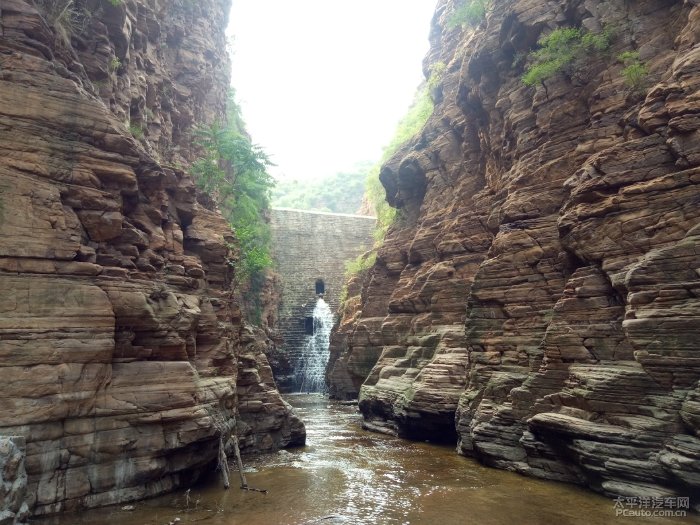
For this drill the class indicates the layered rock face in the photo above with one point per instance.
(119, 334)
(265, 423)
(542, 283)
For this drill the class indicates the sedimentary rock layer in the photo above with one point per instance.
(543, 282)
(119, 334)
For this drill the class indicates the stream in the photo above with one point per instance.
(350, 476)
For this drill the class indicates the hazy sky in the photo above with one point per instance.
(323, 83)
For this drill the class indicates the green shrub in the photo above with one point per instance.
(115, 64)
(360, 264)
(353, 268)
(342, 298)
(234, 172)
(468, 13)
(564, 50)
(136, 131)
(437, 71)
(635, 71)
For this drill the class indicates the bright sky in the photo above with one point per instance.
(323, 83)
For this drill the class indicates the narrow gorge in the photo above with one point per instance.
(534, 301)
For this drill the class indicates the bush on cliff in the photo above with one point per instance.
(468, 13)
(234, 172)
(635, 71)
(65, 17)
(564, 50)
(361, 264)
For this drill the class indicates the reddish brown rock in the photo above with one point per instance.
(120, 337)
(264, 423)
(542, 288)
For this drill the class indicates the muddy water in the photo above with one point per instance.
(350, 476)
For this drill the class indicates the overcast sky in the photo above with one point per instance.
(323, 83)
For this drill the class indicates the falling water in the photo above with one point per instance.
(311, 369)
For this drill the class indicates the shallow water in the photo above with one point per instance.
(350, 476)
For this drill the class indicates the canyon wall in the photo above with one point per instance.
(538, 299)
(121, 341)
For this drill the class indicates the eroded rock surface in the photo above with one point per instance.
(543, 282)
(266, 422)
(120, 338)
(13, 481)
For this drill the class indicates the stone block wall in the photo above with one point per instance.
(308, 247)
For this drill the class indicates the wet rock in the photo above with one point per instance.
(266, 422)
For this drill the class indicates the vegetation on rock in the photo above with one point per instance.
(114, 64)
(407, 128)
(354, 268)
(635, 71)
(65, 17)
(468, 13)
(361, 263)
(565, 50)
(234, 172)
(136, 131)
(437, 71)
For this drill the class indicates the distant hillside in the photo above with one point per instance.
(339, 193)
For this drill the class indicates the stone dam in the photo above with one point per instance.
(310, 252)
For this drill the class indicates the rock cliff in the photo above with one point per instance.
(121, 341)
(538, 299)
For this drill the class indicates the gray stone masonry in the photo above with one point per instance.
(309, 247)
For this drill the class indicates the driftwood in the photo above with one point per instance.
(223, 462)
(324, 518)
(239, 462)
(225, 427)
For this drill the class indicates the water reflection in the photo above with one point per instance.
(349, 476)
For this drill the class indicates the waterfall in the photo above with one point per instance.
(311, 369)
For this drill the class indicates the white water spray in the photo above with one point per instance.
(311, 370)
